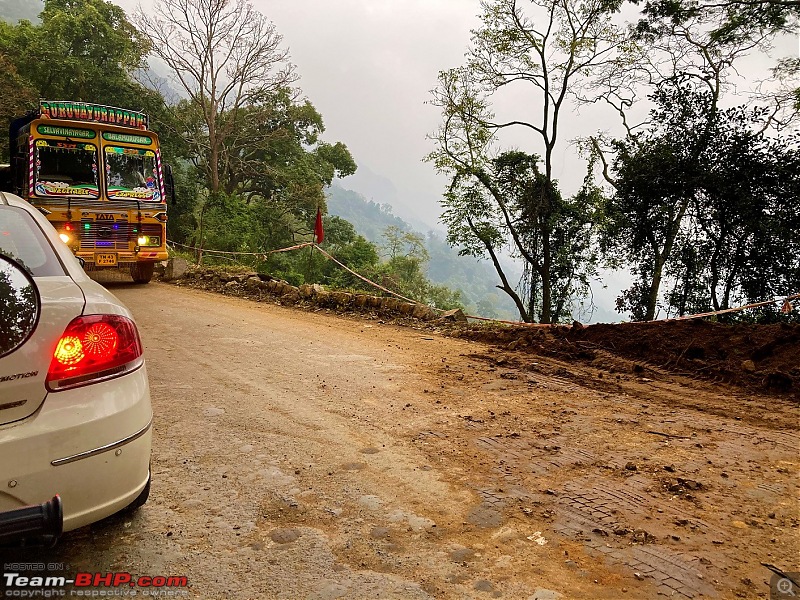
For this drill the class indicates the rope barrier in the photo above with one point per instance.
(738, 308)
(518, 323)
(262, 254)
(297, 247)
(786, 301)
(364, 279)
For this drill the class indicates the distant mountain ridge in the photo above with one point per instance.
(16, 10)
(474, 278)
(368, 217)
(373, 186)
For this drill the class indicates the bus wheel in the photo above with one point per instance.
(142, 272)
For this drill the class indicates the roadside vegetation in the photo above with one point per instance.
(698, 199)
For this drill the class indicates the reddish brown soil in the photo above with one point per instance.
(301, 454)
(758, 358)
(696, 348)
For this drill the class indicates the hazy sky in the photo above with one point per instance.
(368, 66)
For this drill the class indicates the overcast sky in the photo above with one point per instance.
(368, 66)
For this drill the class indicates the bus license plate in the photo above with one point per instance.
(105, 260)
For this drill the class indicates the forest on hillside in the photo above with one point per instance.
(697, 200)
(16, 10)
(474, 279)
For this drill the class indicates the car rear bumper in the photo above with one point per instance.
(90, 445)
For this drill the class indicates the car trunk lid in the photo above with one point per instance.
(24, 371)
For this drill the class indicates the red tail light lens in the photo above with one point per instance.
(94, 348)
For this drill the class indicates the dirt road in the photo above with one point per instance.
(303, 455)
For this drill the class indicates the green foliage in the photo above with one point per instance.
(705, 39)
(730, 21)
(277, 153)
(349, 248)
(253, 161)
(16, 97)
(233, 225)
(473, 280)
(182, 219)
(404, 270)
(241, 123)
(501, 200)
(82, 50)
(510, 205)
(368, 217)
(398, 243)
(706, 199)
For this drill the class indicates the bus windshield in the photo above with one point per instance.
(66, 169)
(131, 173)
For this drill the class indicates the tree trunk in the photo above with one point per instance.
(655, 284)
(547, 312)
(506, 287)
(669, 242)
(214, 168)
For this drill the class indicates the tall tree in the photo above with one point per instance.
(689, 67)
(277, 152)
(703, 39)
(16, 96)
(552, 51)
(729, 19)
(226, 57)
(82, 50)
(707, 198)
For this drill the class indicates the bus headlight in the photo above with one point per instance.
(149, 240)
(64, 237)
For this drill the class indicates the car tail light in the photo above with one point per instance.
(94, 348)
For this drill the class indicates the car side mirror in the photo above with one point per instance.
(20, 305)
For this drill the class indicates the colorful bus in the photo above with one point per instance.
(96, 173)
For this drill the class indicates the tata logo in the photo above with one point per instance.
(105, 217)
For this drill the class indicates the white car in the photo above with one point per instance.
(75, 413)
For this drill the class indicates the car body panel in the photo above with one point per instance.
(72, 422)
(89, 444)
(23, 372)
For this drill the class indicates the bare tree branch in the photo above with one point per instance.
(224, 55)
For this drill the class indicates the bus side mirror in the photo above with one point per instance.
(18, 178)
(6, 182)
(169, 183)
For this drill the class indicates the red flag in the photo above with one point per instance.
(319, 233)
